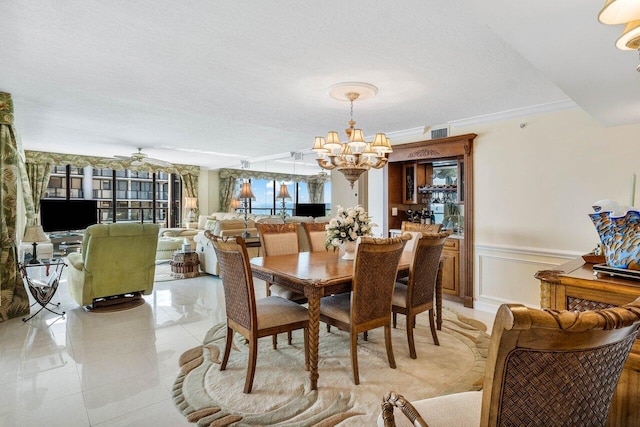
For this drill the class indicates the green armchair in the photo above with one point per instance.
(116, 259)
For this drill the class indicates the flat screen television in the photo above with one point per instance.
(310, 209)
(68, 215)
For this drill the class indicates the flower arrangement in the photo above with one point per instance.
(347, 225)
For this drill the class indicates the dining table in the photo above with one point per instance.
(319, 274)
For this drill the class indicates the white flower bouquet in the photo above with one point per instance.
(347, 225)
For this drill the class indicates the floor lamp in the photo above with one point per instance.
(245, 195)
(283, 194)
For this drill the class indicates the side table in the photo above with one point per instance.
(184, 265)
(43, 291)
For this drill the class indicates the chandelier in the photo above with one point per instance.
(625, 12)
(354, 156)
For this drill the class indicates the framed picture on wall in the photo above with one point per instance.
(409, 191)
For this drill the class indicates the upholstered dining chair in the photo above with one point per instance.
(316, 235)
(544, 368)
(247, 316)
(368, 305)
(418, 294)
(423, 228)
(280, 239)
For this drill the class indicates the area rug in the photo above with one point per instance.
(281, 394)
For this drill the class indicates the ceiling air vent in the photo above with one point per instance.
(439, 132)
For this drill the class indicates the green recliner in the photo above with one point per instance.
(116, 259)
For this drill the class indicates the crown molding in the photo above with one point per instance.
(407, 133)
(565, 104)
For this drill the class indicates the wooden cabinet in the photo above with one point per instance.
(451, 267)
(411, 167)
(573, 286)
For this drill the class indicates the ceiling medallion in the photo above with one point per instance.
(354, 156)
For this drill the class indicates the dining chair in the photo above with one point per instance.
(280, 239)
(252, 318)
(368, 305)
(418, 294)
(544, 368)
(423, 228)
(316, 235)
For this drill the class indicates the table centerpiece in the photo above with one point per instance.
(344, 229)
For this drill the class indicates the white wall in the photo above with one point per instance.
(208, 195)
(341, 192)
(534, 187)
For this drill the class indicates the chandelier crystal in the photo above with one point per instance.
(354, 156)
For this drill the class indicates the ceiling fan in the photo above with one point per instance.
(140, 158)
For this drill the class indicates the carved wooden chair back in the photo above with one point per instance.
(547, 367)
(423, 228)
(316, 235)
(279, 239)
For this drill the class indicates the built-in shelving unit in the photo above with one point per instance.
(411, 187)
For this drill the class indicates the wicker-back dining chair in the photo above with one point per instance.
(247, 316)
(368, 305)
(423, 228)
(280, 239)
(418, 294)
(316, 235)
(544, 368)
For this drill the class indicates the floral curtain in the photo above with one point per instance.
(249, 174)
(226, 192)
(229, 178)
(38, 175)
(41, 157)
(14, 301)
(190, 187)
(316, 191)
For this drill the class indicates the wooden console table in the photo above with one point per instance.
(573, 286)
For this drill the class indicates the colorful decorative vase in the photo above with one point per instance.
(620, 237)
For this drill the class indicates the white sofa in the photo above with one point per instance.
(230, 224)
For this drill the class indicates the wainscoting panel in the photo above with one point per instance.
(504, 274)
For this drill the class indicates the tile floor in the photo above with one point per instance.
(111, 369)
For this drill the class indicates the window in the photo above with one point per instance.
(133, 198)
(267, 202)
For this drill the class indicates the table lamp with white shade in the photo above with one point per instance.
(235, 204)
(34, 234)
(190, 203)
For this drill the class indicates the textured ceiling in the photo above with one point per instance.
(213, 83)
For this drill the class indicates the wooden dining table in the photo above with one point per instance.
(319, 274)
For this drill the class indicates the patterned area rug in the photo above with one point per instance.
(281, 394)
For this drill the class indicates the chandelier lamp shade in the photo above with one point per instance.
(354, 156)
(625, 12)
(245, 195)
(283, 195)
